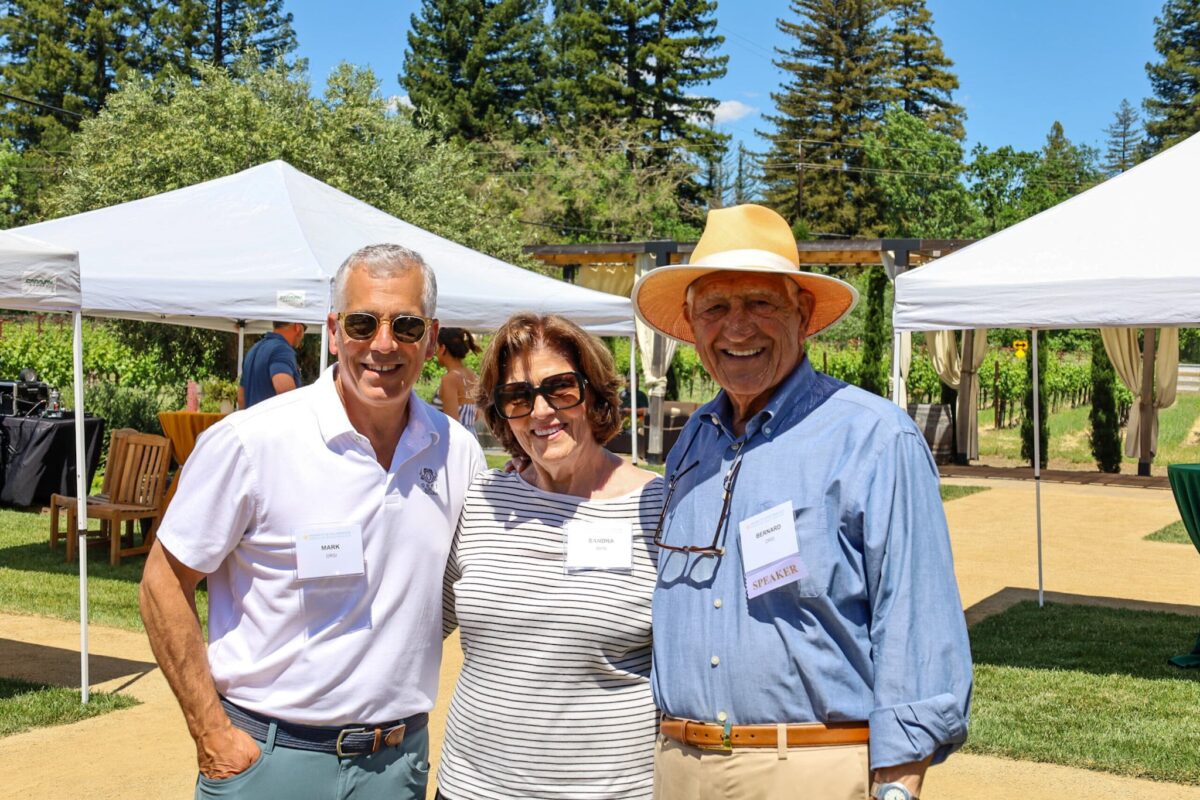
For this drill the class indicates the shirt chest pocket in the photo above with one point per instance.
(815, 546)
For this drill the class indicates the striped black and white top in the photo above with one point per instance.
(553, 701)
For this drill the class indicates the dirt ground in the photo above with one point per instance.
(1093, 553)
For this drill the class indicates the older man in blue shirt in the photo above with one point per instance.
(809, 639)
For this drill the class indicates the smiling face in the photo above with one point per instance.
(552, 438)
(375, 376)
(749, 331)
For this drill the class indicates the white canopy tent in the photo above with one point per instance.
(265, 243)
(1117, 255)
(35, 276)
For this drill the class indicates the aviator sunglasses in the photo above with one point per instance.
(362, 325)
(562, 391)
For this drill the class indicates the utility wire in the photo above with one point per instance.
(44, 106)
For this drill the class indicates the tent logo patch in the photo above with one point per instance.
(39, 284)
(289, 299)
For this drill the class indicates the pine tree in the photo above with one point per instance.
(640, 62)
(1173, 113)
(187, 33)
(64, 55)
(1124, 140)
(1105, 416)
(481, 64)
(1063, 170)
(920, 77)
(746, 181)
(833, 95)
(873, 373)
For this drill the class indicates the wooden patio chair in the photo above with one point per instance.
(137, 494)
(112, 468)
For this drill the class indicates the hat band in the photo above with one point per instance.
(744, 258)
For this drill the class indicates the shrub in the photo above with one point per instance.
(1105, 436)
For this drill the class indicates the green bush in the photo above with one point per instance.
(214, 391)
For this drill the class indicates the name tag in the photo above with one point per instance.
(599, 545)
(327, 551)
(770, 550)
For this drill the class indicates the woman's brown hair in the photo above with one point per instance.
(525, 332)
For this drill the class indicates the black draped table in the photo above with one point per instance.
(1185, 483)
(37, 456)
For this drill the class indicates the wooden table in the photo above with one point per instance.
(183, 428)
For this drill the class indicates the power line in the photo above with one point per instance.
(45, 106)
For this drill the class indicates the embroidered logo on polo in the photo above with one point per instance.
(428, 480)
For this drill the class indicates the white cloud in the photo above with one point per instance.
(397, 100)
(732, 111)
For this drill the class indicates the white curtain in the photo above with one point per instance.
(1121, 344)
(947, 362)
(655, 380)
(901, 390)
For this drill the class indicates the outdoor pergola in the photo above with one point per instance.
(614, 266)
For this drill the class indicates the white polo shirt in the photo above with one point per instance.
(324, 650)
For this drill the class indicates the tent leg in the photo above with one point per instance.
(1037, 465)
(325, 331)
(633, 407)
(896, 377)
(81, 492)
(1145, 457)
(241, 326)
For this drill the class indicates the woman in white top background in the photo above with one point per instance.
(549, 580)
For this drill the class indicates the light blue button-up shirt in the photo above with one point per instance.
(874, 632)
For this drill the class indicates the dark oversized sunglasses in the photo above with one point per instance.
(362, 325)
(562, 391)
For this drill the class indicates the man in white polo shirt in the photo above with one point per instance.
(322, 519)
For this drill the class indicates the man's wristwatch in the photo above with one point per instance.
(893, 791)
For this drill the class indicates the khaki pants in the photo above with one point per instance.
(682, 772)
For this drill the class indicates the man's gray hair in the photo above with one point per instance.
(386, 261)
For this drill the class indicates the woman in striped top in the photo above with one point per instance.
(549, 580)
(454, 393)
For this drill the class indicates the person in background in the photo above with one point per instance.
(270, 367)
(454, 393)
(643, 402)
(809, 639)
(549, 581)
(322, 521)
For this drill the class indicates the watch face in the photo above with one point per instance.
(895, 793)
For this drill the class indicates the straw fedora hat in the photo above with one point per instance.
(746, 238)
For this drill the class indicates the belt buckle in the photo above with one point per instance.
(342, 734)
(726, 743)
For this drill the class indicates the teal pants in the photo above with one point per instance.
(393, 773)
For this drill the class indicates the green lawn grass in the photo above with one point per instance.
(1175, 533)
(37, 580)
(954, 492)
(1087, 687)
(35, 705)
(1069, 428)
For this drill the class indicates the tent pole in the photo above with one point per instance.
(325, 330)
(241, 326)
(81, 492)
(633, 408)
(1146, 401)
(1037, 464)
(896, 367)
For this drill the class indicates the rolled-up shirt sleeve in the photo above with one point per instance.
(919, 647)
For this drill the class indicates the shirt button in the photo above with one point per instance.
(767, 429)
(737, 445)
(722, 716)
(715, 661)
(717, 603)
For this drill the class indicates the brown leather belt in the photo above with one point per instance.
(815, 734)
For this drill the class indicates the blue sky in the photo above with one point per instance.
(1021, 64)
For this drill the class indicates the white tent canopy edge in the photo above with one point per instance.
(36, 276)
(1114, 256)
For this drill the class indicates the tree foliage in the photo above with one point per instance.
(1173, 112)
(1124, 144)
(917, 173)
(1105, 416)
(920, 77)
(184, 34)
(834, 92)
(481, 64)
(597, 183)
